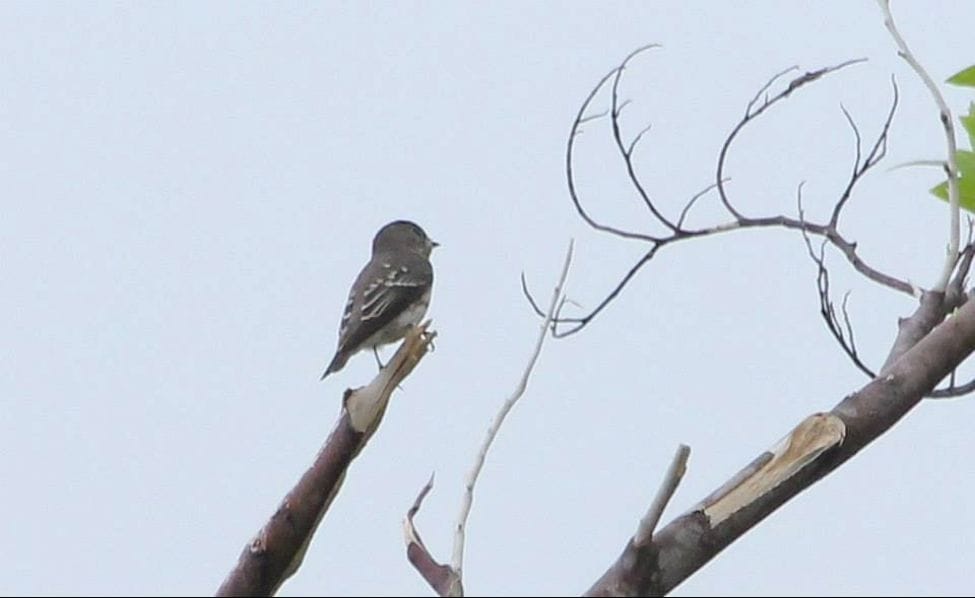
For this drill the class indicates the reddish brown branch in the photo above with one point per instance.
(267, 560)
(442, 578)
(815, 448)
(277, 550)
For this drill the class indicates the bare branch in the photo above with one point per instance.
(955, 296)
(828, 312)
(636, 140)
(947, 122)
(457, 561)
(751, 113)
(955, 293)
(834, 219)
(531, 299)
(579, 323)
(566, 326)
(877, 152)
(276, 552)
(692, 201)
(763, 91)
(569, 153)
(848, 248)
(678, 466)
(627, 154)
(443, 579)
(819, 445)
(583, 120)
(952, 391)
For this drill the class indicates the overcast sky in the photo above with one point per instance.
(188, 189)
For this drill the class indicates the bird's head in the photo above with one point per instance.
(402, 235)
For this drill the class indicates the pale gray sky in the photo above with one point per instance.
(188, 190)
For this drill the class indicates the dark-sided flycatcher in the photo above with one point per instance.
(390, 295)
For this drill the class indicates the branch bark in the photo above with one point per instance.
(276, 552)
(816, 447)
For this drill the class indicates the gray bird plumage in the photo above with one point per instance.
(391, 293)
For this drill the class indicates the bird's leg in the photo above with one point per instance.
(375, 352)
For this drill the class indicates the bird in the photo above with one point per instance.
(390, 295)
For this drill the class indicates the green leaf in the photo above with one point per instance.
(966, 184)
(964, 78)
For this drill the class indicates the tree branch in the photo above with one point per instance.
(568, 325)
(950, 165)
(751, 113)
(678, 466)
(877, 153)
(457, 560)
(574, 132)
(276, 552)
(433, 572)
(443, 579)
(827, 311)
(816, 447)
(626, 154)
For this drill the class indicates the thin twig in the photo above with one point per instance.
(693, 200)
(751, 113)
(950, 166)
(566, 326)
(955, 292)
(763, 91)
(457, 562)
(570, 150)
(838, 207)
(627, 153)
(579, 323)
(826, 308)
(952, 392)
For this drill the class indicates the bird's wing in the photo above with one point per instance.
(384, 288)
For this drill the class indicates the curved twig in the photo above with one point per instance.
(751, 113)
(846, 340)
(570, 148)
(692, 201)
(580, 322)
(953, 391)
(565, 326)
(877, 153)
(950, 165)
(627, 153)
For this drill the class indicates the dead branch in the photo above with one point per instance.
(752, 113)
(276, 552)
(876, 154)
(574, 132)
(442, 578)
(843, 334)
(450, 579)
(678, 466)
(764, 99)
(815, 448)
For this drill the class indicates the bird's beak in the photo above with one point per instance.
(433, 244)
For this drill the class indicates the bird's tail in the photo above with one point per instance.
(338, 362)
